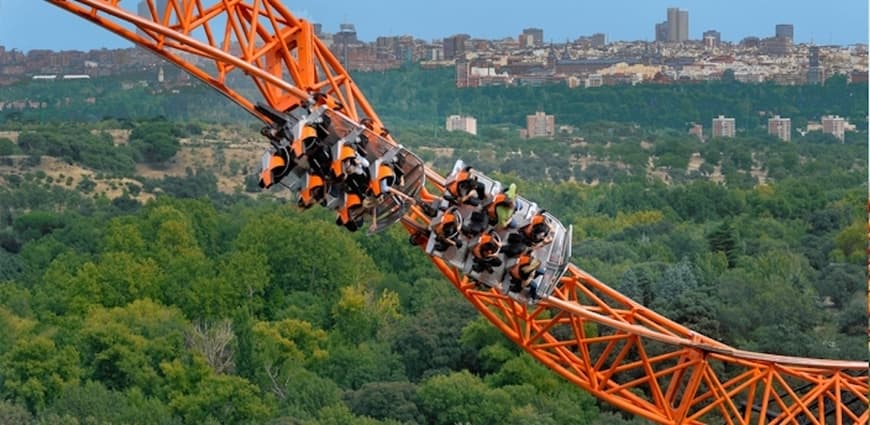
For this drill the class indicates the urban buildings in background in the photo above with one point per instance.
(785, 31)
(587, 62)
(835, 126)
(675, 29)
(779, 127)
(531, 37)
(724, 127)
(464, 123)
(815, 71)
(712, 39)
(539, 125)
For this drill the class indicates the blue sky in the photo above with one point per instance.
(35, 24)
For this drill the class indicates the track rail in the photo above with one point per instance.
(598, 339)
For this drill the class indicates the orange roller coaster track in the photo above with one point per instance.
(600, 340)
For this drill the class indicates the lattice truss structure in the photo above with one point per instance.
(595, 337)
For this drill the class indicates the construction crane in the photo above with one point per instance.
(590, 334)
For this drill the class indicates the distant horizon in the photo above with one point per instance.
(31, 25)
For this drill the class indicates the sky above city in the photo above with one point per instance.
(35, 24)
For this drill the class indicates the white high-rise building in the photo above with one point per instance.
(779, 127)
(835, 125)
(540, 125)
(724, 127)
(462, 123)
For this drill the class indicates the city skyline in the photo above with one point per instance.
(23, 24)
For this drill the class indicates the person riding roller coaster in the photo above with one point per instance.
(523, 273)
(485, 253)
(501, 208)
(383, 179)
(446, 229)
(276, 163)
(313, 192)
(463, 188)
(308, 151)
(535, 234)
(351, 168)
(351, 213)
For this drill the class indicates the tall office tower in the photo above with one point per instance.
(712, 38)
(779, 127)
(678, 25)
(540, 125)
(662, 31)
(683, 34)
(536, 34)
(835, 125)
(785, 31)
(723, 127)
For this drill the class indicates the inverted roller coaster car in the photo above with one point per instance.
(459, 243)
(320, 141)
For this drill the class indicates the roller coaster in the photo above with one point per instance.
(503, 253)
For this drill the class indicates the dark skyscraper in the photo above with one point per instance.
(678, 25)
(536, 34)
(785, 31)
(662, 31)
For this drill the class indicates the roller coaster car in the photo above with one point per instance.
(408, 169)
(552, 250)
(403, 171)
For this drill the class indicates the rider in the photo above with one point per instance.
(523, 272)
(308, 152)
(501, 208)
(351, 168)
(485, 252)
(276, 164)
(535, 234)
(314, 192)
(446, 229)
(463, 187)
(350, 214)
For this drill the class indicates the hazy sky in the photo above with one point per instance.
(35, 24)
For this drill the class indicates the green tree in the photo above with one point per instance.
(156, 141)
(7, 147)
(723, 240)
(461, 397)
(199, 395)
(123, 347)
(386, 400)
(35, 371)
(91, 402)
(282, 347)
